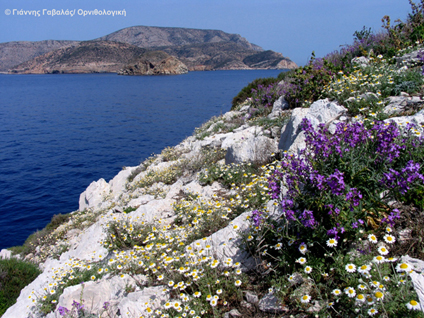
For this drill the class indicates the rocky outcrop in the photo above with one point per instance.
(84, 57)
(169, 65)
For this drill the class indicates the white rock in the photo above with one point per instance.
(417, 119)
(361, 61)
(5, 254)
(95, 293)
(240, 136)
(94, 195)
(87, 245)
(255, 149)
(134, 304)
(117, 184)
(144, 199)
(321, 112)
(154, 210)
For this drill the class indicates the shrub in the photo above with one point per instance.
(14, 275)
(246, 92)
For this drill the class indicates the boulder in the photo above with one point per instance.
(240, 135)
(94, 195)
(257, 149)
(321, 112)
(277, 108)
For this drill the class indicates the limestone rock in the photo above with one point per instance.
(5, 254)
(240, 135)
(117, 184)
(417, 120)
(271, 304)
(226, 242)
(251, 298)
(277, 108)
(321, 112)
(87, 245)
(410, 58)
(234, 313)
(134, 304)
(94, 195)
(256, 149)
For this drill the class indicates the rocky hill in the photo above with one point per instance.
(90, 57)
(13, 53)
(198, 49)
(145, 36)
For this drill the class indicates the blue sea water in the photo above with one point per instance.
(58, 133)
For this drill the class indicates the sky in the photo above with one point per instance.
(294, 28)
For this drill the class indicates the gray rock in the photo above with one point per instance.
(251, 297)
(316, 307)
(277, 108)
(134, 304)
(271, 304)
(396, 105)
(247, 305)
(410, 58)
(256, 149)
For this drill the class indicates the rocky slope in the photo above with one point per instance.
(227, 56)
(198, 49)
(94, 57)
(155, 63)
(13, 53)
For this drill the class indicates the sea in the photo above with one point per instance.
(58, 133)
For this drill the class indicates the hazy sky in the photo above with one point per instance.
(293, 27)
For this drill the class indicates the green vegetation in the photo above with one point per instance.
(14, 275)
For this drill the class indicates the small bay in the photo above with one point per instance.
(58, 133)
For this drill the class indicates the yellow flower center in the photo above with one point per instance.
(413, 303)
(404, 266)
(379, 295)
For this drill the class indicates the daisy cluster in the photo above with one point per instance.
(249, 184)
